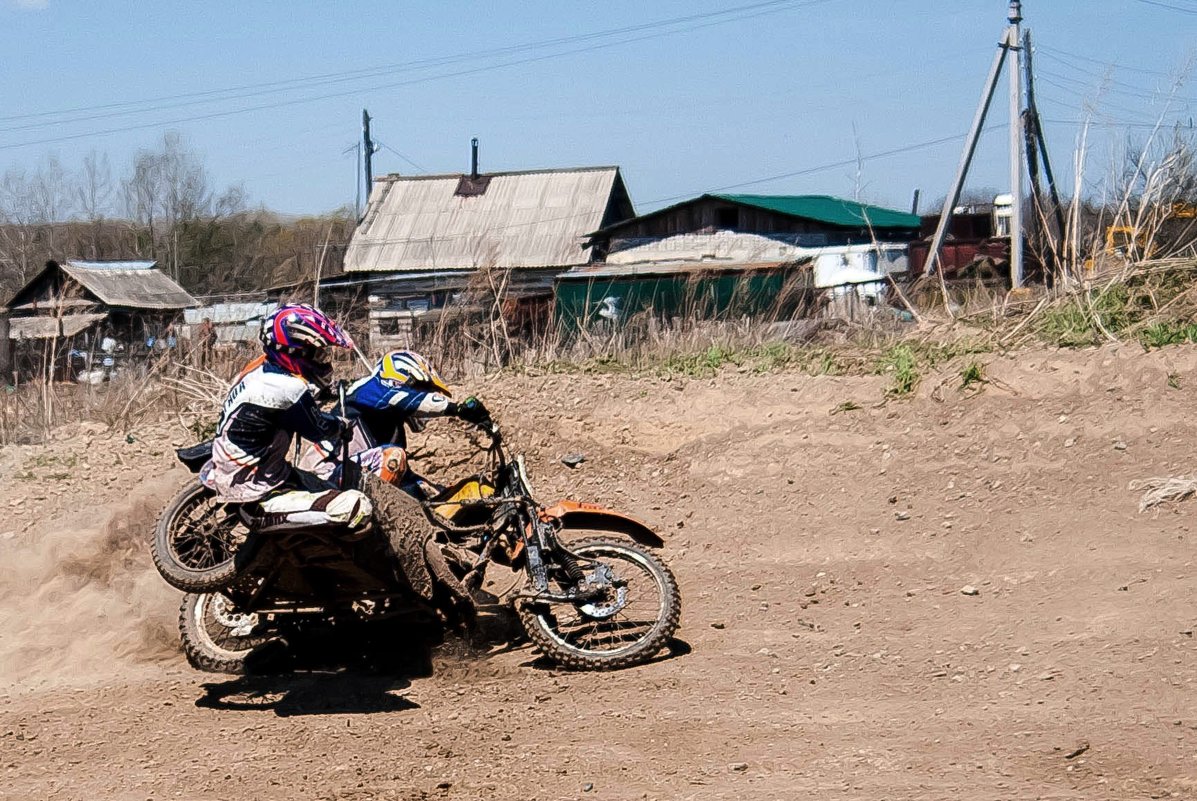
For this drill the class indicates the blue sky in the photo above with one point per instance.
(713, 102)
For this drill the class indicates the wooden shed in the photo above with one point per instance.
(68, 309)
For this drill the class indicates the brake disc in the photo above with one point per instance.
(603, 576)
(238, 624)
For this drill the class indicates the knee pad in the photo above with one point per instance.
(349, 507)
(394, 465)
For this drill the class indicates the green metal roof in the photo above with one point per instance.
(827, 209)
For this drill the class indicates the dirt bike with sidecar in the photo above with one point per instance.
(589, 590)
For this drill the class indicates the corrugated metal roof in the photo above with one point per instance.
(721, 245)
(113, 265)
(230, 313)
(50, 327)
(524, 219)
(820, 208)
(830, 210)
(135, 288)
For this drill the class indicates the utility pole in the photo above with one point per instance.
(357, 174)
(368, 151)
(1037, 146)
(1014, 47)
(1009, 45)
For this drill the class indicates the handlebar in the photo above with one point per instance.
(491, 429)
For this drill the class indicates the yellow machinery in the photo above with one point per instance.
(1131, 242)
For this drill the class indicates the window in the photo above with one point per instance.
(727, 218)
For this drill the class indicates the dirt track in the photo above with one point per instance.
(821, 558)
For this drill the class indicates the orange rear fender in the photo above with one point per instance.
(579, 515)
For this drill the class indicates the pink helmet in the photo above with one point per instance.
(296, 338)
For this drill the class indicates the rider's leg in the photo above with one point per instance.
(419, 487)
(294, 509)
(388, 462)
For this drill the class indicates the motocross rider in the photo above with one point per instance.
(272, 402)
(402, 388)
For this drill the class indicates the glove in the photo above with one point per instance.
(472, 411)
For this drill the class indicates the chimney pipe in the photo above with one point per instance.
(474, 157)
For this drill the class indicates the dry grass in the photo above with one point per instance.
(160, 390)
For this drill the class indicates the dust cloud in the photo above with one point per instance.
(83, 601)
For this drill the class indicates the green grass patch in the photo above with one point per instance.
(973, 375)
(1139, 308)
(1172, 332)
(901, 364)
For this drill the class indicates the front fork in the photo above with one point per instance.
(540, 536)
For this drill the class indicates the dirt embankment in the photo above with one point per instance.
(822, 551)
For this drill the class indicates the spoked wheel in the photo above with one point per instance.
(196, 541)
(635, 619)
(215, 636)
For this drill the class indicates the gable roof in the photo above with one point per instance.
(135, 285)
(126, 284)
(821, 208)
(828, 209)
(534, 219)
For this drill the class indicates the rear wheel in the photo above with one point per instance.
(217, 638)
(635, 620)
(196, 540)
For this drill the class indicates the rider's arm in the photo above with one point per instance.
(432, 404)
(384, 395)
(304, 419)
(376, 393)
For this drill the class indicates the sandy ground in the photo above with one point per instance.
(826, 647)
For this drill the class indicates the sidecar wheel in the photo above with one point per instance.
(196, 540)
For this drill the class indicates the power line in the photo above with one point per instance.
(1105, 87)
(274, 87)
(1093, 104)
(1049, 51)
(385, 146)
(833, 165)
(1127, 88)
(1160, 4)
(1162, 126)
(392, 85)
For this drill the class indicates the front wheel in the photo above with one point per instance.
(636, 619)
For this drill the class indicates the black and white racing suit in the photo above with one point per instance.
(262, 413)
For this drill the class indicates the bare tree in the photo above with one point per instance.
(140, 195)
(94, 194)
(18, 228)
(167, 188)
(51, 196)
(33, 212)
